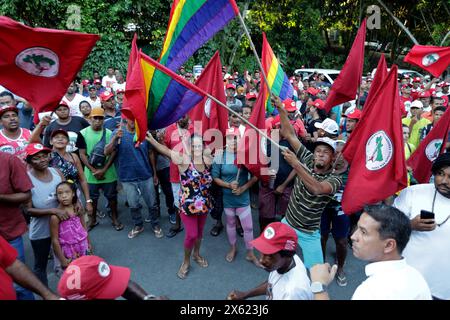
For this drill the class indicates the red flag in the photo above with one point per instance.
(346, 84)
(209, 113)
(430, 58)
(251, 149)
(377, 163)
(39, 64)
(134, 104)
(429, 149)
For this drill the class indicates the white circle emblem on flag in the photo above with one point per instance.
(208, 107)
(379, 151)
(263, 145)
(269, 233)
(38, 61)
(433, 148)
(429, 59)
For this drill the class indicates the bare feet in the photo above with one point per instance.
(252, 258)
(231, 254)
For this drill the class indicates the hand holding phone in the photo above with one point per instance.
(424, 214)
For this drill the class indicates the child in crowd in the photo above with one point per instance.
(69, 237)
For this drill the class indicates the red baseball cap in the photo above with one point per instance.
(425, 94)
(250, 95)
(318, 103)
(276, 236)
(34, 148)
(120, 91)
(62, 103)
(85, 82)
(59, 131)
(417, 79)
(406, 86)
(96, 280)
(312, 91)
(4, 109)
(231, 86)
(106, 95)
(355, 114)
(97, 81)
(289, 105)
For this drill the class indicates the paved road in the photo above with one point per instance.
(155, 262)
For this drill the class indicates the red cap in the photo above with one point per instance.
(62, 103)
(4, 109)
(85, 82)
(34, 148)
(312, 91)
(417, 79)
(276, 121)
(369, 80)
(97, 81)
(290, 105)
(59, 131)
(96, 280)
(250, 95)
(355, 114)
(425, 94)
(232, 131)
(318, 103)
(445, 84)
(276, 236)
(406, 86)
(120, 91)
(106, 95)
(231, 86)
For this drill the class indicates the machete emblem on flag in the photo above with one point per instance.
(429, 59)
(38, 61)
(379, 151)
(433, 149)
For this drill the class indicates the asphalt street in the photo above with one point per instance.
(155, 262)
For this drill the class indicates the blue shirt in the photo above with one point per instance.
(132, 163)
(224, 168)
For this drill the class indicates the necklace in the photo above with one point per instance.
(432, 210)
(270, 286)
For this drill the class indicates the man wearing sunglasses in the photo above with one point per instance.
(429, 247)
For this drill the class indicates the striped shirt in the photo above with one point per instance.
(305, 209)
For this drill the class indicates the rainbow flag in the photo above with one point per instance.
(191, 24)
(278, 81)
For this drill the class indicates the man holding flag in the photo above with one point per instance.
(314, 187)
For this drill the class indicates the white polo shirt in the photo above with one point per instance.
(292, 285)
(428, 251)
(392, 280)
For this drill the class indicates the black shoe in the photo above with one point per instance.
(173, 232)
(240, 231)
(215, 231)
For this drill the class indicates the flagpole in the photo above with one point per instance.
(252, 46)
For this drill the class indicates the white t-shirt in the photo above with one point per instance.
(108, 82)
(74, 104)
(392, 280)
(116, 86)
(428, 251)
(292, 285)
(94, 103)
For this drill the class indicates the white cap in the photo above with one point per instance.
(416, 104)
(328, 125)
(327, 141)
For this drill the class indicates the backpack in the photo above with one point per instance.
(97, 158)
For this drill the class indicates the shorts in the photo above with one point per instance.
(270, 204)
(334, 218)
(176, 191)
(109, 190)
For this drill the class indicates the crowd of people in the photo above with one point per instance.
(54, 173)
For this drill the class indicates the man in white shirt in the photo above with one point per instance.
(288, 279)
(93, 99)
(73, 99)
(382, 234)
(429, 247)
(109, 80)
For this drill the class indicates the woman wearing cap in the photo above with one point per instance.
(68, 163)
(236, 197)
(195, 199)
(43, 204)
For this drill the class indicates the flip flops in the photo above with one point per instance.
(182, 273)
(118, 226)
(202, 262)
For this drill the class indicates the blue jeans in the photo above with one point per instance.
(310, 244)
(22, 293)
(133, 192)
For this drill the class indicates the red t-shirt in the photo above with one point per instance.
(172, 141)
(7, 257)
(15, 146)
(13, 179)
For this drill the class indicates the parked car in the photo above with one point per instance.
(403, 72)
(330, 74)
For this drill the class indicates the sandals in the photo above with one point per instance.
(182, 273)
(202, 262)
(118, 226)
(158, 232)
(134, 232)
(215, 231)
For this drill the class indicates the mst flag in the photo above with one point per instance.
(430, 58)
(429, 149)
(346, 84)
(207, 112)
(375, 150)
(39, 64)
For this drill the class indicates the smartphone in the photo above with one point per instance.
(424, 214)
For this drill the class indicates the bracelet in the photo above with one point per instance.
(149, 297)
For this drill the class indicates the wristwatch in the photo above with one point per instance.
(89, 201)
(318, 287)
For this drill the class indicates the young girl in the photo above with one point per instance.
(69, 237)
